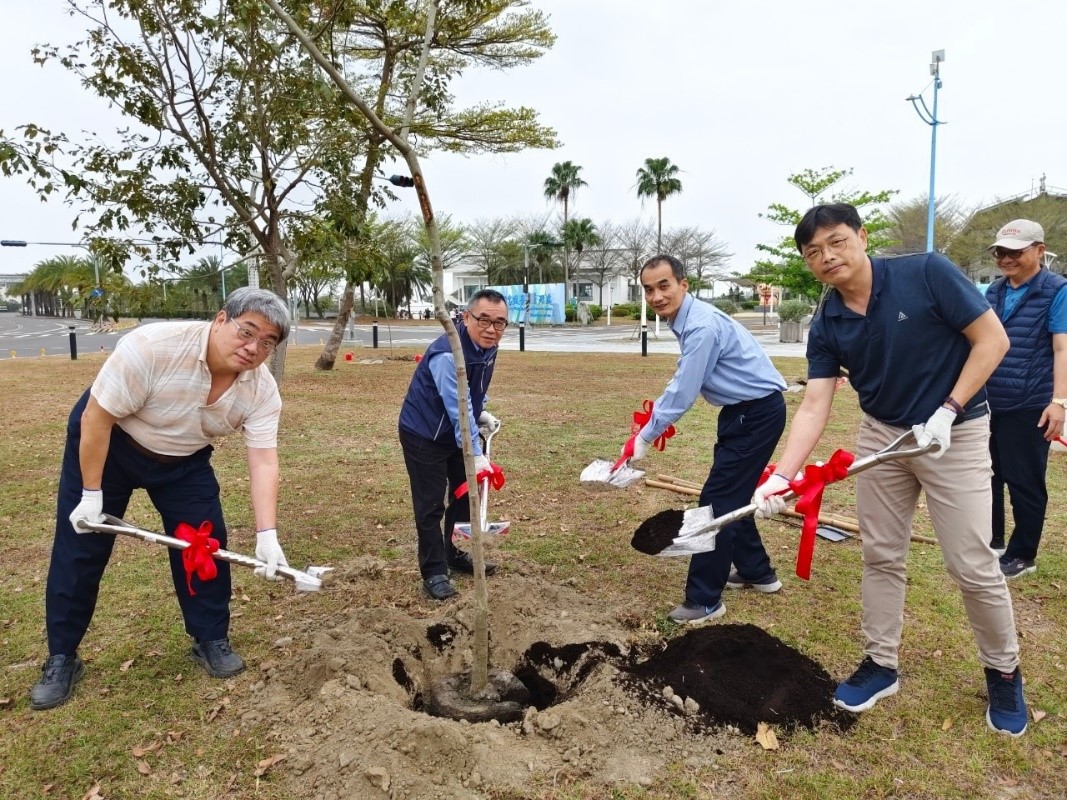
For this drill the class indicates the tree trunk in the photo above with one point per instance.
(328, 357)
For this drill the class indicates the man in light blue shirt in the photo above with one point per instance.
(722, 362)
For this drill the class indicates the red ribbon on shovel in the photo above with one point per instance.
(808, 490)
(196, 558)
(641, 418)
(495, 475)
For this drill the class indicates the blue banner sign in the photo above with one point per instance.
(546, 303)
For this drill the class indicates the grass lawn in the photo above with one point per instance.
(145, 721)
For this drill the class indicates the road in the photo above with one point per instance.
(26, 337)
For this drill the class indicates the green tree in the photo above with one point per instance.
(406, 56)
(909, 218)
(578, 234)
(560, 186)
(658, 178)
(785, 267)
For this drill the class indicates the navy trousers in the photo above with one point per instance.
(184, 491)
(435, 471)
(745, 440)
(1020, 458)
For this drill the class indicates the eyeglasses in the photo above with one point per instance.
(247, 335)
(1000, 253)
(835, 245)
(485, 323)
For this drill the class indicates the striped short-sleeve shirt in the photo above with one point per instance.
(157, 383)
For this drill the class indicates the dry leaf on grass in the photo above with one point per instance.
(141, 750)
(765, 736)
(217, 709)
(838, 766)
(1006, 781)
(144, 768)
(1038, 714)
(125, 665)
(5, 702)
(946, 724)
(1063, 749)
(267, 763)
(93, 793)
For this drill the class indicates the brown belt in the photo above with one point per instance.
(144, 451)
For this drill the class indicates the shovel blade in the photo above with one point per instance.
(462, 531)
(600, 472)
(690, 545)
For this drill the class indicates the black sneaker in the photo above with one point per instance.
(464, 562)
(1016, 567)
(217, 658)
(439, 587)
(58, 676)
(1007, 709)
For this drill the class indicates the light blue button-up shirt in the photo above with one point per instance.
(720, 360)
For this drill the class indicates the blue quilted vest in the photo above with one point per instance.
(1023, 380)
(423, 412)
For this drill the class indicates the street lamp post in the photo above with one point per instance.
(526, 247)
(930, 118)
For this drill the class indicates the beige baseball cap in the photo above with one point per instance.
(1018, 234)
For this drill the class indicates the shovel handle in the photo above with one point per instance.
(114, 525)
(891, 452)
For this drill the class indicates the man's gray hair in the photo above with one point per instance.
(266, 304)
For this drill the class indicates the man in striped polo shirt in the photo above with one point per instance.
(147, 422)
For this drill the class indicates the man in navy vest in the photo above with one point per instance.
(1028, 391)
(430, 437)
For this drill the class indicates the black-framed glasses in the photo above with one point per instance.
(485, 323)
(247, 335)
(835, 245)
(1000, 253)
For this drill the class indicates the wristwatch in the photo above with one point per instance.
(1060, 401)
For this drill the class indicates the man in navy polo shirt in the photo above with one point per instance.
(919, 342)
(1028, 391)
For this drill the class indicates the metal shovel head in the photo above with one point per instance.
(599, 473)
(462, 531)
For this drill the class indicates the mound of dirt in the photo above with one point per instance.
(346, 704)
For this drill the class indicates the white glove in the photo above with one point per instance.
(90, 509)
(268, 550)
(768, 496)
(487, 424)
(481, 464)
(937, 430)
(640, 448)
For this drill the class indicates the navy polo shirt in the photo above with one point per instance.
(905, 354)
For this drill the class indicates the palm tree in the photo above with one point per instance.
(560, 185)
(577, 235)
(657, 178)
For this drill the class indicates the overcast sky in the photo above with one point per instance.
(739, 95)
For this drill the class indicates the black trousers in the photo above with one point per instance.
(745, 440)
(1020, 458)
(184, 491)
(434, 471)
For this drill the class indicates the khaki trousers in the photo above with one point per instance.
(959, 500)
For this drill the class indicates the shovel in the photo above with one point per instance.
(699, 527)
(620, 474)
(310, 581)
(461, 531)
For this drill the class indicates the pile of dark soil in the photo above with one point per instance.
(657, 531)
(738, 675)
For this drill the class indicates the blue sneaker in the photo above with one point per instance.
(692, 613)
(867, 685)
(1007, 709)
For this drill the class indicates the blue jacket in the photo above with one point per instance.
(1023, 380)
(423, 412)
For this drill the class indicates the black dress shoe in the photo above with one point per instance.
(218, 658)
(464, 562)
(58, 676)
(439, 587)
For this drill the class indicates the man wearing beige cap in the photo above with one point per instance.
(1027, 391)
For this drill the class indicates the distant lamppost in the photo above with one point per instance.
(526, 247)
(21, 243)
(930, 118)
